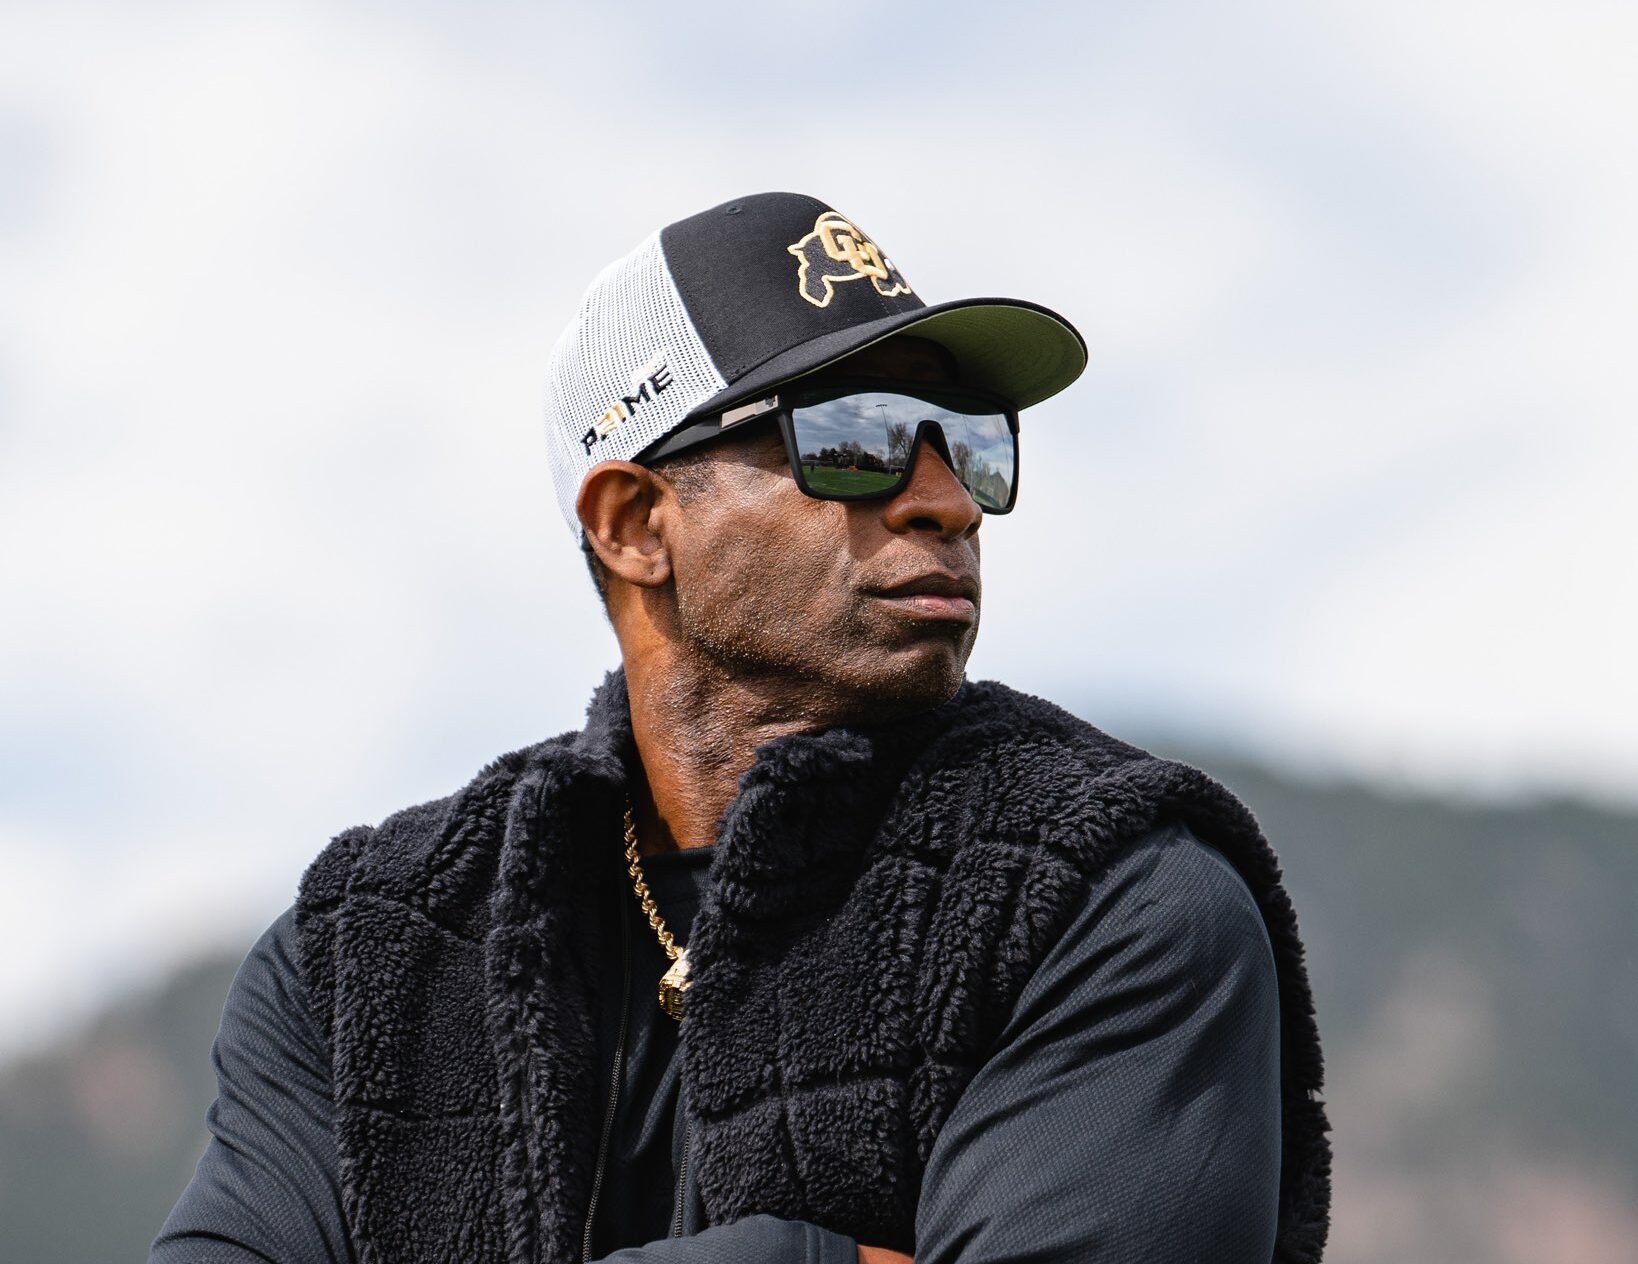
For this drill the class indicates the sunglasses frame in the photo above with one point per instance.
(781, 406)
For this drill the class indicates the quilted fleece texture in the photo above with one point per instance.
(878, 899)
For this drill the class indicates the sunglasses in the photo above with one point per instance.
(859, 440)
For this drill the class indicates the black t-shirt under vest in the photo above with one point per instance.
(878, 898)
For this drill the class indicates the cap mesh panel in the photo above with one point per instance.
(631, 322)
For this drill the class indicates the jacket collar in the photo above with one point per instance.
(768, 827)
(778, 850)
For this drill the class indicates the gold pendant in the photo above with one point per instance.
(673, 984)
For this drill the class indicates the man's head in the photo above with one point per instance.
(731, 559)
(871, 605)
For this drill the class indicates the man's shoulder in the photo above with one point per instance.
(1177, 879)
(1042, 767)
(1168, 904)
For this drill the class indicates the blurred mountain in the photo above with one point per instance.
(1475, 968)
(98, 1136)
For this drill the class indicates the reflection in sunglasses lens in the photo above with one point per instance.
(859, 444)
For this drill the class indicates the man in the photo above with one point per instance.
(805, 948)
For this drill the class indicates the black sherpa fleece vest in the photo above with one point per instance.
(878, 899)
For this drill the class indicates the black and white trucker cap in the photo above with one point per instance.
(721, 307)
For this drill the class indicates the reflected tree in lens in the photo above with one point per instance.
(898, 445)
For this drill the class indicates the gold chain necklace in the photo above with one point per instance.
(675, 981)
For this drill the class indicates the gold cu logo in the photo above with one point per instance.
(836, 251)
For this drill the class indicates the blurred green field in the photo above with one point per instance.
(823, 478)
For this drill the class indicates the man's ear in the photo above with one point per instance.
(624, 509)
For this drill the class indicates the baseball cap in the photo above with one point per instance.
(723, 306)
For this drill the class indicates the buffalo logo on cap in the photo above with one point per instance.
(837, 251)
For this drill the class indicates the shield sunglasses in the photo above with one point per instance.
(859, 440)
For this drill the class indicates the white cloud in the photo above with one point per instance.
(278, 555)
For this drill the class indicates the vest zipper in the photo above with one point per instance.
(614, 1086)
(682, 1180)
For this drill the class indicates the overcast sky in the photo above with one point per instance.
(1349, 482)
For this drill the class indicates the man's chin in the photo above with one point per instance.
(907, 681)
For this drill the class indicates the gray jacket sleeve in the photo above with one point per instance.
(753, 1240)
(1131, 1109)
(265, 1188)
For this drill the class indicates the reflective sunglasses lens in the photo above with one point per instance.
(852, 445)
(983, 454)
(857, 444)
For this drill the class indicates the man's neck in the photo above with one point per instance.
(697, 728)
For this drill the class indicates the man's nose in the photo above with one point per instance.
(933, 499)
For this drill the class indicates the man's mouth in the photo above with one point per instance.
(938, 595)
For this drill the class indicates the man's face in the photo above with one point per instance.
(871, 607)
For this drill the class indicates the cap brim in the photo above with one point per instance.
(1020, 351)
